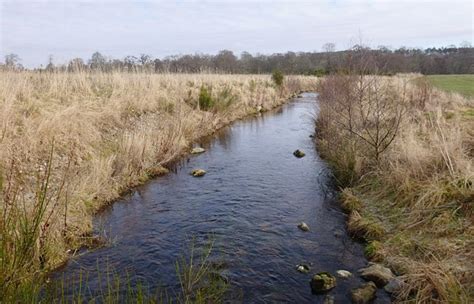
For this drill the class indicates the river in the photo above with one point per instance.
(253, 196)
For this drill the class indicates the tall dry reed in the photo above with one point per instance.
(412, 203)
(72, 142)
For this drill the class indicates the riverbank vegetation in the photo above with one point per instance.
(198, 271)
(402, 153)
(71, 143)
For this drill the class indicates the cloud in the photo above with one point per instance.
(66, 29)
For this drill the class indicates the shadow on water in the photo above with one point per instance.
(253, 196)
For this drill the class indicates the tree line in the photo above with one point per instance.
(443, 60)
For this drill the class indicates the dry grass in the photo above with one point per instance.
(70, 143)
(417, 200)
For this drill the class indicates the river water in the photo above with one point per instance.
(253, 196)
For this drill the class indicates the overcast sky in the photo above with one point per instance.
(71, 28)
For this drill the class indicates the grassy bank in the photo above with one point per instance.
(462, 84)
(71, 143)
(402, 153)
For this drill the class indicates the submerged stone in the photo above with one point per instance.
(197, 150)
(364, 294)
(303, 226)
(377, 273)
(198, 172)
(322, 282)
(298, 153)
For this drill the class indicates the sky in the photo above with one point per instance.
(70, 28)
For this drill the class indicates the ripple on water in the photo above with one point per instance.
(251, 200)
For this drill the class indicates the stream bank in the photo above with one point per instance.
(252, 198)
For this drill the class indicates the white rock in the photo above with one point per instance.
(344, 274)
(197, 150)
(302, 268)
(303, 226)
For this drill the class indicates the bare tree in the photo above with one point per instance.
(329, 47)
(76, 65)
(146, 62)
(50, 66)
(12, 61)
(130, 62)
(97, 61)
(226, 61)
(367, 108)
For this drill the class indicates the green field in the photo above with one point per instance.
(463, 84)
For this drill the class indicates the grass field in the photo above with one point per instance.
(463, 84)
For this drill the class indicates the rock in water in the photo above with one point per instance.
(197, 150)
(259, 109)
(303, 268)
(322, 282)
(303, 226)
(377, 273)
(364, 294)
(344, 274)
(198, 172)
(298, 153)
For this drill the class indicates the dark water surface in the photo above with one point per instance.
(253, 196)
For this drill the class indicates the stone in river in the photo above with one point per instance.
(376, 273)
(198, 172)
(197, 150)
(343, 274)
(303, 268)
(303, 226)
(364, 294)
(298, 153)
(322, 282)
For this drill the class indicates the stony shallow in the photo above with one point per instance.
(252, 198)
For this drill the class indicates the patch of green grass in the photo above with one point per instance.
(372, 251)
(349, 201)
(462, 84)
